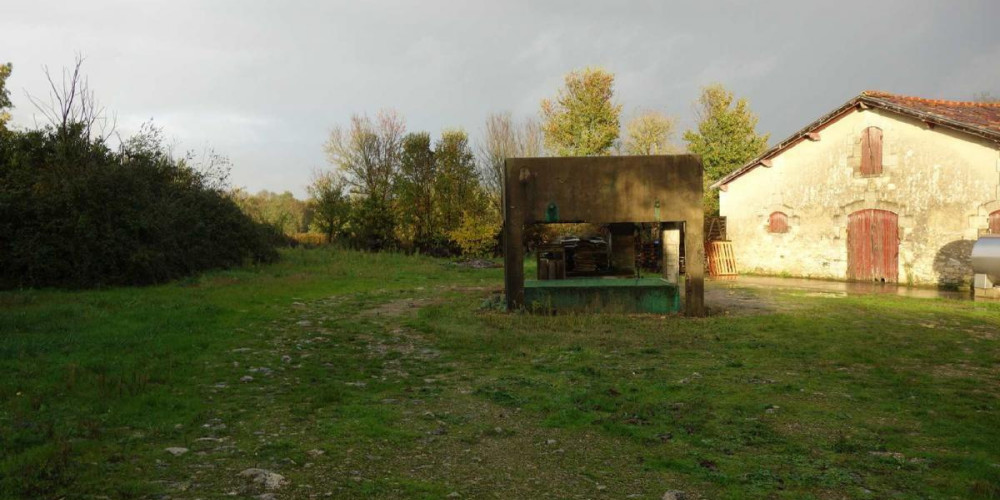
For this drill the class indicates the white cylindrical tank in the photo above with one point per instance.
(986, 257)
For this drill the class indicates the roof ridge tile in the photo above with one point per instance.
(944, 102)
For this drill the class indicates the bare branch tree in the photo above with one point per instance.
(368, 152)
(498, 143)
(502, 139)
(531, 138)
(986, 97)
(213, 167)
(73, 103)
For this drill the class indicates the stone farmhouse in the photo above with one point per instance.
(885, 188)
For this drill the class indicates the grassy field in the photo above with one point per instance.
(385, 376)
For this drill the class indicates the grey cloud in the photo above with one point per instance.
(264, 81)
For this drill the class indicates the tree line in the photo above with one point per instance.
(390, 189)
(76, 211)
(394, 189)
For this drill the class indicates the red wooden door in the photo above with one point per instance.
(873, 246)
(995, 222)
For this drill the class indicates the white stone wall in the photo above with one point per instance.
(942, 185)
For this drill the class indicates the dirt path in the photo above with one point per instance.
(348, 398)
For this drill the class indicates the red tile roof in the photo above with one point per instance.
(980, 119)
(975, 114)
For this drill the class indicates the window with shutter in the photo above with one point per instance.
(777, 223)
(871, 152)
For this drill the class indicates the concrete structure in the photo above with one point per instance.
(604, 190)
(621, 295)
(884, 188)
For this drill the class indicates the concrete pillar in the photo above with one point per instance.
(672, 255)
(694, 261)
(514, 200)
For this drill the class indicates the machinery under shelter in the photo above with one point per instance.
(621, 234)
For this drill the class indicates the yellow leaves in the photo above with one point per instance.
(5, 70)
(649, 133)
(582, 120)
(476, 233)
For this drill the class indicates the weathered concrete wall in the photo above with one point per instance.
(646, 295)
(942, 185)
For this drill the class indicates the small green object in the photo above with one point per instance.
(552, 212)
(656, 211)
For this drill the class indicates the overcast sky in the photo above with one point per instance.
(264, 81)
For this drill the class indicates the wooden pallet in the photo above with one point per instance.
(721, 258)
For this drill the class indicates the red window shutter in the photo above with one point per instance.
(777, 223)
(995, 222)
(871, 151)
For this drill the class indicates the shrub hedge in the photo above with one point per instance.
(76, 213)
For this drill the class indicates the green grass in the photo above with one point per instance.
(384, 376)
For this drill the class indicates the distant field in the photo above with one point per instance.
(385, 376)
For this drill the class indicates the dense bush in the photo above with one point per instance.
(371, 225)
(477, 234)
(310, 240)
(76, 213)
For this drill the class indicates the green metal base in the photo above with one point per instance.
(628, 295)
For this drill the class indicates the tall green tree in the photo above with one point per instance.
(329, 203)
(368, 154)
(726, 137)
(456, 185)
(649, 133)
(5, 104)
(583, 120)
(414, 189)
